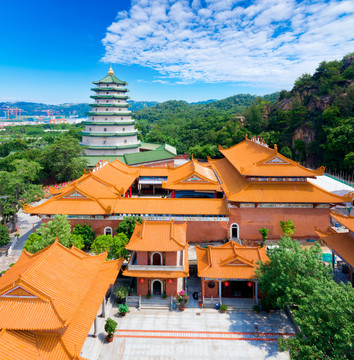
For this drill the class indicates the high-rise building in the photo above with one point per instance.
(110, 129)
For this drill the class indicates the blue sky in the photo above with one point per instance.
(166, 49)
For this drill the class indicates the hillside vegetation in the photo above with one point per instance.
(313, 123)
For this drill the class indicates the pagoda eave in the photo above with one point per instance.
(115, 147)
(96, 123)
(108, 113)
(123, 134)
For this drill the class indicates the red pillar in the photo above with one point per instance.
(215, 195)
(173, 194)
(130, 192)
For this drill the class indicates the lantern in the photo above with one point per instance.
(169, 281)
(249, 284)
(141, 280)
(226, 283)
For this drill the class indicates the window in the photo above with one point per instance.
(106, 109)
(89, 129)
(119, 109)
(106, 101)
(108, 231)
(105, 129)
(107, 92)
(123, 129)
(121, 118)
(234, 231)
(156, 258)
(104, 142)
(105, 118)
(125, 141)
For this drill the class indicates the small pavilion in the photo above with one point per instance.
(192, 179)
(228, 271)
(49, 300)
(159, 260)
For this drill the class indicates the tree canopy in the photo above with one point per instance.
(59, 228)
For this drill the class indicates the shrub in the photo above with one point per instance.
(123, 308)
(164, 295)
(86, 233)
(256, 308)
(110, 326)
(4, 235)
(223, 307)
(12, 264)
(288, 227)
(121, 292)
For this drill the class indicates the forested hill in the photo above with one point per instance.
(200, 126)
(313, 123)
(315, 120)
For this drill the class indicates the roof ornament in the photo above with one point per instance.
(110, 71)
(246, 136)
(276, 148)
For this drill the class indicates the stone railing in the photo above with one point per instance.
(155, 267)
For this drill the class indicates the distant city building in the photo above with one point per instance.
(110, 128)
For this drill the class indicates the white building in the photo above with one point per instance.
(110, 128)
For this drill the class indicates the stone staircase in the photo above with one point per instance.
(155, 303)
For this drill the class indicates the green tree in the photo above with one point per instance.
(16, 189)
(4, 235)
(115, 246)
(264, 232)
(325, 318)
(59, 228)
(62, 160)
(117, 249)
(101, 244)
(288, 227)
(291, 274)
(127, 226)
(285, 151)
(86, 232)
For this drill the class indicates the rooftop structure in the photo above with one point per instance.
(160, 252)
(110, 129)
(49, 300)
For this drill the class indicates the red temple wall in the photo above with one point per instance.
(142, 288)
(214, 292)
(197, 231)
(252, 219)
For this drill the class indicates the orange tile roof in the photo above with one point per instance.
(153, 171)
(56, 289)
(160, 206)
(253, 159)
(192, 176)
(347, 221)
(341, 243)
(229, 261)
(237, 188)
(158, 236)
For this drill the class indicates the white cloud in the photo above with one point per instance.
(264, 42)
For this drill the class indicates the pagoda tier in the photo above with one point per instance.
(110, 130)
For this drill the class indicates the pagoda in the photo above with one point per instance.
(110, 129)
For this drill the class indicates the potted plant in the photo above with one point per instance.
(148, 296)
(164, 296)
(123, 309)
(110, 328)
(223, 308)
(256, 308)
(130, 292)
(182, 299)
(121, 292)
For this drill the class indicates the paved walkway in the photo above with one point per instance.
(193, 334)
(25, 224)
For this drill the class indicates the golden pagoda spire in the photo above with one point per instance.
(110, 71)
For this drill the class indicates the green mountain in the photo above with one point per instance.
(315, 120)
(200, 125)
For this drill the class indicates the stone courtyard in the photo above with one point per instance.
(192, 334)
